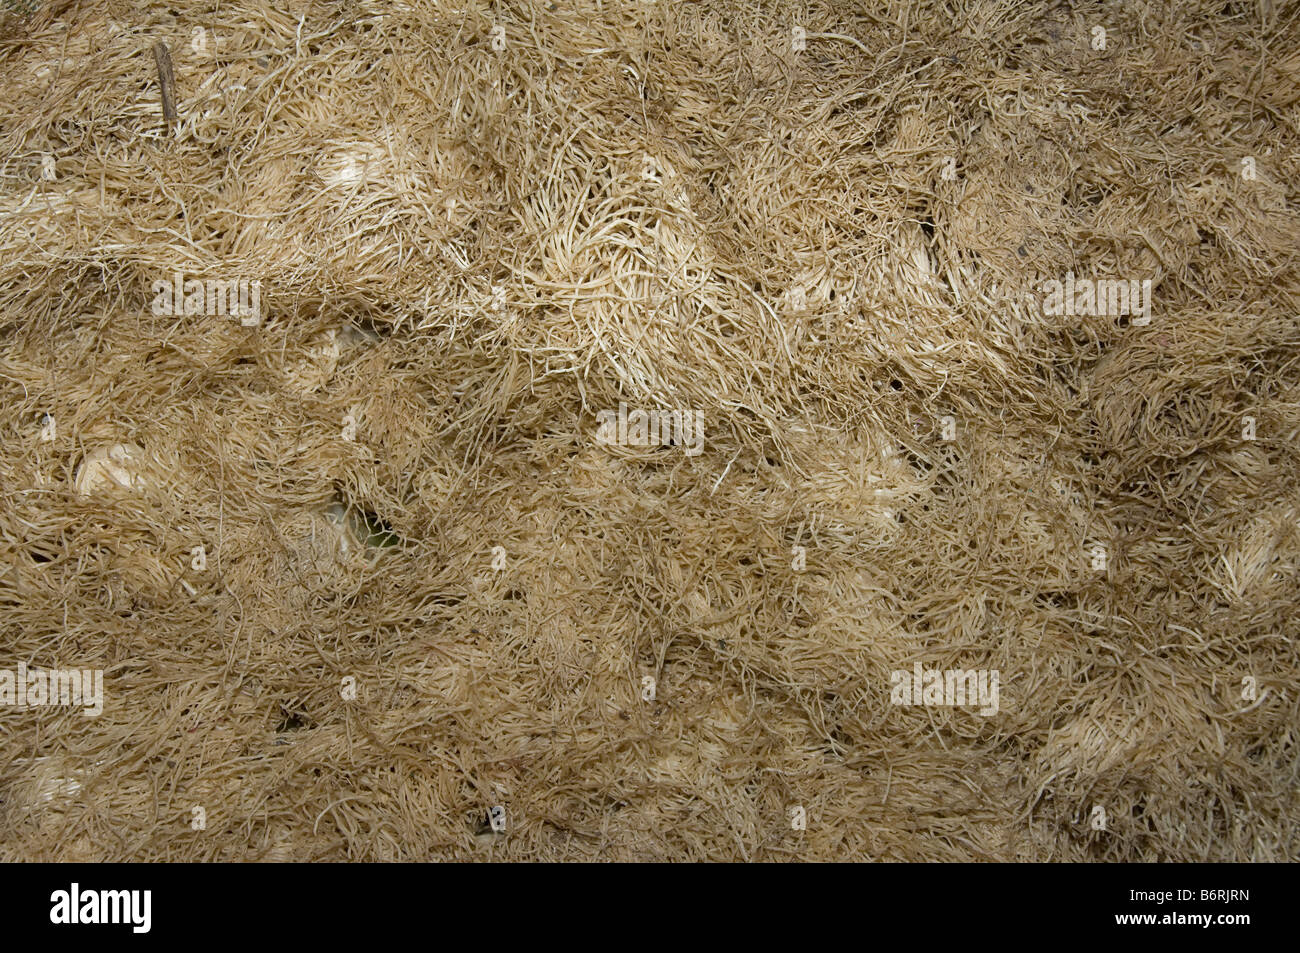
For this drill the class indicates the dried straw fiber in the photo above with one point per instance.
(376, 553)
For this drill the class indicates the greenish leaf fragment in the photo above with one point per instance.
(364, 526)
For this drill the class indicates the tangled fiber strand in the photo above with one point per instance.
(475, 228)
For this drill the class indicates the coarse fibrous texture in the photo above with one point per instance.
(426, 589)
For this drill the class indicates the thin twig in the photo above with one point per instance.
(167, 80)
